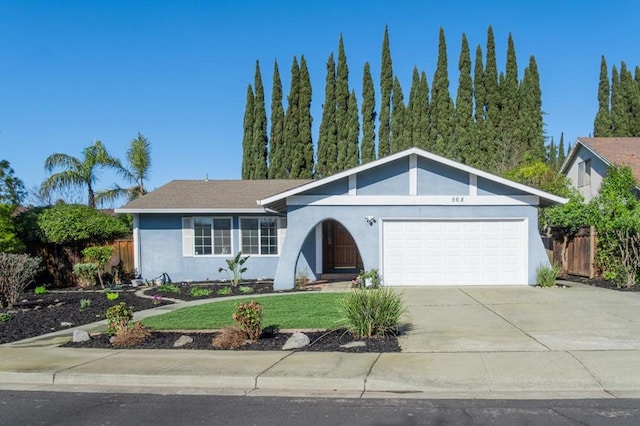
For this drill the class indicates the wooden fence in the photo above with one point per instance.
(579, 255)
(58, 261)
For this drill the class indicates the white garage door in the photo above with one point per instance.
(454, 252)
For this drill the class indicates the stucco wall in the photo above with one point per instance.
(598, 171)
(161, 251)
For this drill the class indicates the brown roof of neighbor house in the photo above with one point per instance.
(208, 195)
(618, 151)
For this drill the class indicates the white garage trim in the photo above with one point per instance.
(460, 251)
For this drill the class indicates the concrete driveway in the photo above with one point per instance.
(531, 319)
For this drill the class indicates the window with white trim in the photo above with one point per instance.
(584, 173)
(211, 236)
(259, 236)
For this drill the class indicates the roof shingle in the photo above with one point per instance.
(618, 151)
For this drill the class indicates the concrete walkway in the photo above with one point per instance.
(459, 342)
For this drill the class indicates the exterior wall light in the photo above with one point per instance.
(370, 219)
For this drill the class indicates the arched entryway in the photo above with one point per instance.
(339, 251)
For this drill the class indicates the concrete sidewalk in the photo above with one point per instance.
(460, 342)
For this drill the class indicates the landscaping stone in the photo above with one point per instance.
(354, 345)
(66, 324)
(80, 336)
(296, 341)
(182, 340)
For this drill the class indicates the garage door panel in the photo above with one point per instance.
(457, 252)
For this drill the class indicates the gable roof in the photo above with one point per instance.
(618, 151)
(545, 197)
(209, 196)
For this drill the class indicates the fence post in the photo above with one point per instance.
(592, 251)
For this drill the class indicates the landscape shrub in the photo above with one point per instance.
(39, 290)
(130, 336)
(245, 289)
(200, 292)
(235, 268)
(99, 256)
(112, 295)
(248, 316)
(229, 338)
(169, 288)
(225, 291)
(372, 313)
(17, 271)
(119, 318)
(546, 275)
(87, 274)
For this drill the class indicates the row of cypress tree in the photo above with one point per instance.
(618, 102)
(495, 123)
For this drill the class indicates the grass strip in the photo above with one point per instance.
(303, 310)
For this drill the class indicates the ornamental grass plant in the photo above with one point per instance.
(372, 313)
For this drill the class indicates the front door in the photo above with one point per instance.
(340, 251)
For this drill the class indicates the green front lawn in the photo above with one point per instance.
(303, 310)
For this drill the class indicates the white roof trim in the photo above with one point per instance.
(406, 153)
(192, 210)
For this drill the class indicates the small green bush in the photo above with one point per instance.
(224, 291)
(112, 295)
(84, 304)
(243, 289)
(372, 313)
(40, 290)
(119, 318)
(4, 317)
(248, 316)
(546, 275)
(87, 274)
(200, 292)
(169, 288)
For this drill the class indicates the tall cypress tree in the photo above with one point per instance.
(386, 86)
(552, 155)
(562, 154)
(442, 112)
(292, 155)
(259, 146)
(276, 169)
(398, 140)
(477, 153)
(464, 126)
(368, 148)
(492, 102)
(328, 139)
(619, 109)
(631, 94)
(342, 106)
(305, 169)
(412, 116)
(602, 125)
(510, 147)
(352, 157)
(530, 132)
(247, 137)
(421, 133)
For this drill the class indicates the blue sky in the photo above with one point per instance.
(73, 72)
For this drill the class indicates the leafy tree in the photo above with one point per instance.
(530, 124)
(442, 112)
(352, 152)
(259, 143)
(562, 155)
(276, 147)
(328, 138)
(99, 256)
(342, 107)
(492, 102)
(66, 223)
(619, 116)
(9, 240)
(566, 219)
(509, 149)
(552, 155)
(542, 176)
(136, 172)
(631, 93)
(11, 188)
(247, 138)
(368, 148)
(464, 125)
(386, 86)
(422, 109)
(602, 124)
(478, 153)
(398, 140)
(617, 219)
(79, 172)
(302, 167)
(412, 119)
(292, 124)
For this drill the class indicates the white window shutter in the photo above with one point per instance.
(187, 236)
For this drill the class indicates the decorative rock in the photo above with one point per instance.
(80, 336)
(182, 340)
(353, 345)
(66, 324)
(296, 341)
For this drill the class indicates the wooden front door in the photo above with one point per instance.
(340, 251)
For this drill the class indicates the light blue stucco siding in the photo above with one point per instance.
(302, 221)
(160, 239)
(439, 179)
(391, 179)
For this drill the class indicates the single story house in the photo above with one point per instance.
(590, 158)
(419, 218)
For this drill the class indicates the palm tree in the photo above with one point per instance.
(136, 172)
(78, 172)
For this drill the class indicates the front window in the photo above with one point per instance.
(212, 236)
(584, 173)
(259, 236)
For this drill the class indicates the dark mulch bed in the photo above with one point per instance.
(600, 282)
(257, 287)
(320, 342)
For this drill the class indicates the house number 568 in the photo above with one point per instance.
(457, 199)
